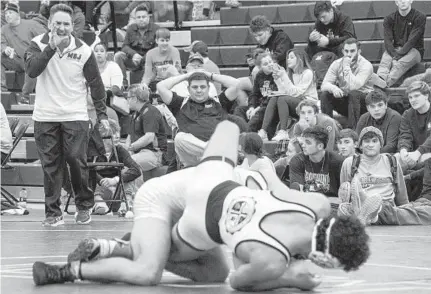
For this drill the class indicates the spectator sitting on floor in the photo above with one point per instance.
(379, 115)
(140, 38)
(147, 140)
(199, 47)
(346, 84)
(197, 114)
(282, 164)
(251, 145)
(275, 41)
(107, 179)
(294, 86)
(331, 30)
(316, 169)
(16, 36)
(159, 59)
(375, 191)
(347, 142)
(309, 116)
(404, 43)
(6, 134)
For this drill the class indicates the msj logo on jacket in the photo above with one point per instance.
(74, 56)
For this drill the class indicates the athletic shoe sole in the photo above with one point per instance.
(370, 209)
(345, 209)
(84, 252)
(59, 223)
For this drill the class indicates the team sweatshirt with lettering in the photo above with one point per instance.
(63, 80)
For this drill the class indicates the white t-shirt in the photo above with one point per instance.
(112, 75)
(260, 164)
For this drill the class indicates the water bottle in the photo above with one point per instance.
(23, 198)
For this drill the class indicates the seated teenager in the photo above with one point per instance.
(347, 142)
(379, 115)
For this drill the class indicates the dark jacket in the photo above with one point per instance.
(135, 42)
(337, 31)
(389, 125)
(405, 32)
(278, 45)
(415, 131)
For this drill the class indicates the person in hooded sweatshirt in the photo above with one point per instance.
(275, 41)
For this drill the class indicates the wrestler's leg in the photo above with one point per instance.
(150, 244)
(224, 142)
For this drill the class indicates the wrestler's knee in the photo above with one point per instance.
(145, 275)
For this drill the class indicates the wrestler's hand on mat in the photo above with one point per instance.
(298, 275)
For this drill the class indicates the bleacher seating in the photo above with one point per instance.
(228, 44)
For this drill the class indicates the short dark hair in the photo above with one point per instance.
(348, 241)
(322, 6)
(142, 7)
(101, 44)
(198, 76)
(163, 33)
(376, 96)
(307, 102)
(318, 133)
(351, 41)
(348, 133)
(61, 7)
(419, 86)
(251, 143)
(259, 23)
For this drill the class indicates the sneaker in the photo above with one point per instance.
(100, 209)
(23, 101)
(53, 221)
(281, 135)
(263, 135)
(88, 249)
(123, 209)
(370, 210)
(345, 209)
(83, 217)
(44, 274)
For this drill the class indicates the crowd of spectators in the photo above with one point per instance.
(293, 97)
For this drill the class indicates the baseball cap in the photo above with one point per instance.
(197, 47)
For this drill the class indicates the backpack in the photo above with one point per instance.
(392, 161)
(320, 64)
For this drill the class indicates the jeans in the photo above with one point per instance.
(352, 106)
(391, 70)
(414, 213)
(256, 122)
(126, 63)
(16, 64)
(58, 143)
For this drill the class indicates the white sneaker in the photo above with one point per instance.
(281, 135)
(262, 133)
